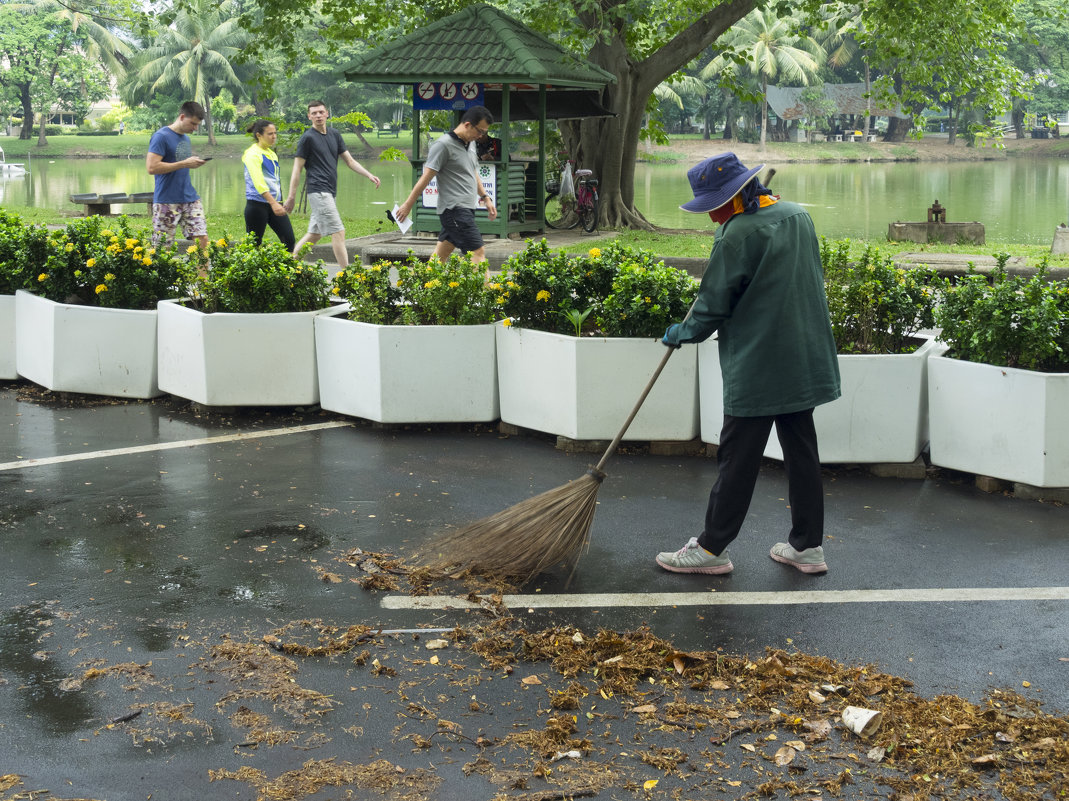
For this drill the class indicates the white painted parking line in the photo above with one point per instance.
(633, 599)
(168, 446)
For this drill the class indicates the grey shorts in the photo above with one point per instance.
(325, 219)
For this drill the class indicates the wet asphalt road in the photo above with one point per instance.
(117, 550)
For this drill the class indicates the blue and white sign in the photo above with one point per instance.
(429, 96)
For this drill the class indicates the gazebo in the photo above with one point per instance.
(482, 56)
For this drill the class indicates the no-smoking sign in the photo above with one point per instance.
(425, 90)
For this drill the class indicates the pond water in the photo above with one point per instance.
(1018, 200)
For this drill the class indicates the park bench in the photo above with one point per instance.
(101, 204)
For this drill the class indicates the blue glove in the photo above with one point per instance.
(671, 335)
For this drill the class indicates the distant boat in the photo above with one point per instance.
(10, 168)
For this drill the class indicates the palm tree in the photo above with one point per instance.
(97, 40)
(193, 55)
(772, 50)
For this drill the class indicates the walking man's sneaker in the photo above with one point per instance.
(811, 560)
(693, 558)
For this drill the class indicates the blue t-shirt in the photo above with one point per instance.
(172, 187)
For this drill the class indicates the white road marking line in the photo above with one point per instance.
(167, 446)
(632, 599)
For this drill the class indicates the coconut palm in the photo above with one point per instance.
(772, 49)
(97, 40)
(193, 55)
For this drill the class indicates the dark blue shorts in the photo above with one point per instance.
(458, 227)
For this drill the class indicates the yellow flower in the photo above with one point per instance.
(150, 252)
(78, 273)
(543, 295)
(500, 299)
(114, 240)
(454, 284)
(511, 284)
(494, 286)
(131, 244)
(434, 283)
(42, 277)
(191, 249)
(69, 247)
(649, 300)
(220, 242)
(595, 253)
(336, 291)
(107, 232)
(147, 261)
(109, 276)
(101, 288)
(138, 250)
(339, 274)
(507, 322)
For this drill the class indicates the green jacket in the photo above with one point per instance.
(763, 290)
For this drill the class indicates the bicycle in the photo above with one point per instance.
(580, 209)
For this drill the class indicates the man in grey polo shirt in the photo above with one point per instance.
(318, 150)
(453, 161)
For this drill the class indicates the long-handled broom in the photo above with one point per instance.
(542, 531)
(537, 533)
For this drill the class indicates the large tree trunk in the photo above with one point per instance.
(41, 140)
(897, 129)
(27, 111)
(609, 145)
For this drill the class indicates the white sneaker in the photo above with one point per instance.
(811, 560)
(693, 558)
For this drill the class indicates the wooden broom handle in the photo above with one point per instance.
(597, 469)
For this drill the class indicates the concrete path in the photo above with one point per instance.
(157, 545)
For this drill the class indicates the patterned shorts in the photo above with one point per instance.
(167, 216)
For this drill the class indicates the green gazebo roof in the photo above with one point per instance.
(480, 43)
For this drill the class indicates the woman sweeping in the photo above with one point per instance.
(263, 187)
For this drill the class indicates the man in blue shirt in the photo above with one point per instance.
(170, 158)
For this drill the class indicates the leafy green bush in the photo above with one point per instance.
(23, 253)
(246, 278)
(371, 296)
(98, 261)
(645, 300)
(602, 292)
(876, 306)
(1009, 321)
(449, 293)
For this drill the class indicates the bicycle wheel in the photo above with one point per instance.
(560, 214)
(588, 212)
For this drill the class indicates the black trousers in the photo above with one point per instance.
(742, 441)
(259, 215)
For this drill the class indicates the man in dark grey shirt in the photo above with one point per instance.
(453, 161)
(318, 151)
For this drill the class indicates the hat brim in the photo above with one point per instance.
(714, 200)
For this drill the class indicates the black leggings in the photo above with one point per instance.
(258, 216)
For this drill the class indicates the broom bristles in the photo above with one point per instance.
(524, 539)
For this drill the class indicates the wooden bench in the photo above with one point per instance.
(101, 204)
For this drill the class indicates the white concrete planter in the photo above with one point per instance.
(239, 359)
(881, 417)
(8, 370)
(999, 421)
(88, 349)
(584, 388)
(407, 374)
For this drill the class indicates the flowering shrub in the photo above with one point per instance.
(876, 306)
(450, 293)
(1009, 321)
(246, 278)
(645, 300)
(98, 261)
(371, 295)
(22, 248)
(540, 289)
(613, 290)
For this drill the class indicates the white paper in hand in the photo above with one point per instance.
(405, 224)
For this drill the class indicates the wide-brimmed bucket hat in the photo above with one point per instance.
(716, 180)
